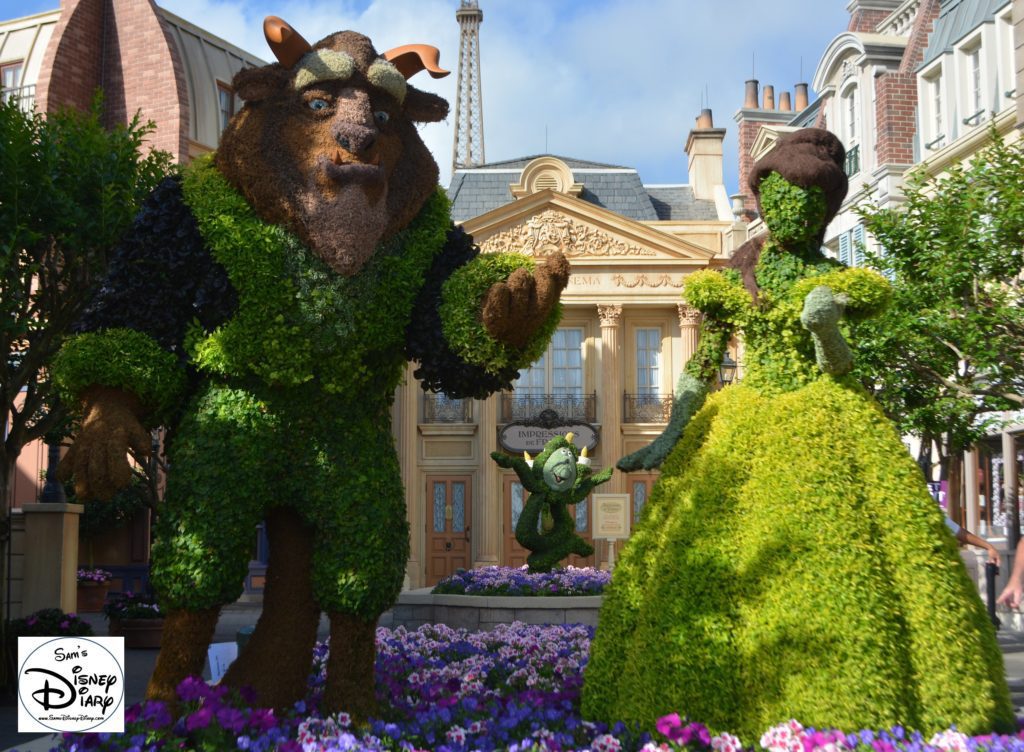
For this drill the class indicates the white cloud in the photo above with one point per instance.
(615, 81)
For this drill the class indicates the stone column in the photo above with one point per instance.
(51, 561)
(689, 325)
(487, 496)
(971, 500)
(1011, 481)
(609, 404)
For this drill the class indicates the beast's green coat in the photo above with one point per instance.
(290, 404)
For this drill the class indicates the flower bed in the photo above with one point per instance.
(519, 581)
(516, 687)
(131, 605)
(94, 575)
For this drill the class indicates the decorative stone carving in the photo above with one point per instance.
(550, 231)
(609, 313)
(688, 315)
(642, 280)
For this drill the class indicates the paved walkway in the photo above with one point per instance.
(139, 665)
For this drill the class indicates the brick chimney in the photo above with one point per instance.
(866, 15)
(750, 118)
(123, 47)
(704, 156)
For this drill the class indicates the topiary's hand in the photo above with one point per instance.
(822, 310)
(688, 399)
(821, 314)
(98, 459)
(594, 481)
(513, 311)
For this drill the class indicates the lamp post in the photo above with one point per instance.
(727, 370)
(53, 489)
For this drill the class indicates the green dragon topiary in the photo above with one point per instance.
(790, 562)
(558, 477)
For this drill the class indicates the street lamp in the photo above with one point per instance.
(727, 370)
(53, 489)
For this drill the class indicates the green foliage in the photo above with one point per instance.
(298, 320)
(795, 215)
(131, 606)
(70, 189)
(121, 358)
(555, 480)
(790, 562)
(950, 346)
(463, 328)
(757, 595)
(718, 295)
(49, 622)
(100, 516)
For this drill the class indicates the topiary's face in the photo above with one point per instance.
(330, 148)
(560, 470)
(794, 215)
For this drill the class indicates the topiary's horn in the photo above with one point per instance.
(287, 44)
(410, 59)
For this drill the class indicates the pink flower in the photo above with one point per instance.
(670, 725)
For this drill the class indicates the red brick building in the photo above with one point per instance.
(145, 60)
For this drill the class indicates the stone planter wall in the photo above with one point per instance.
(474, 612)
(138, 633)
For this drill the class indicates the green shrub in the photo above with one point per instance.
(791, 564)
(48, 622)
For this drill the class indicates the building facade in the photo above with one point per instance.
(611, 367)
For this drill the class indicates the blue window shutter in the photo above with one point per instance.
(844, 248)
(858, 245)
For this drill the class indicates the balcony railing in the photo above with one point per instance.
(438, 408)
(581, 407)
(646, 408)
(25, 96)
(853, 161)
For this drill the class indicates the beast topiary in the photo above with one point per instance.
(264, 306)
(558, 477)
(790, 562)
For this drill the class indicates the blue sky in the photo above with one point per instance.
(615, 81)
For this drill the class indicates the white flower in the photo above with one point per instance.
(606, 743)
(726, 743)
(456, 735)
(950, 740)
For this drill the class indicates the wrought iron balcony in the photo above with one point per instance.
(581, 407)
(437, 408)
(25, 96)
(853, 161)
(646, 408)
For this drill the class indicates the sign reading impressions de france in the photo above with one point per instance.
(611, 516)
(523, 437)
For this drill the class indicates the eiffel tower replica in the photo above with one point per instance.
(468, 150)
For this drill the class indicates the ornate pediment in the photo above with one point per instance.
(549, 231)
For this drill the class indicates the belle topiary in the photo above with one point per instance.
(790, 562)
(559, 477)
(264, 306)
